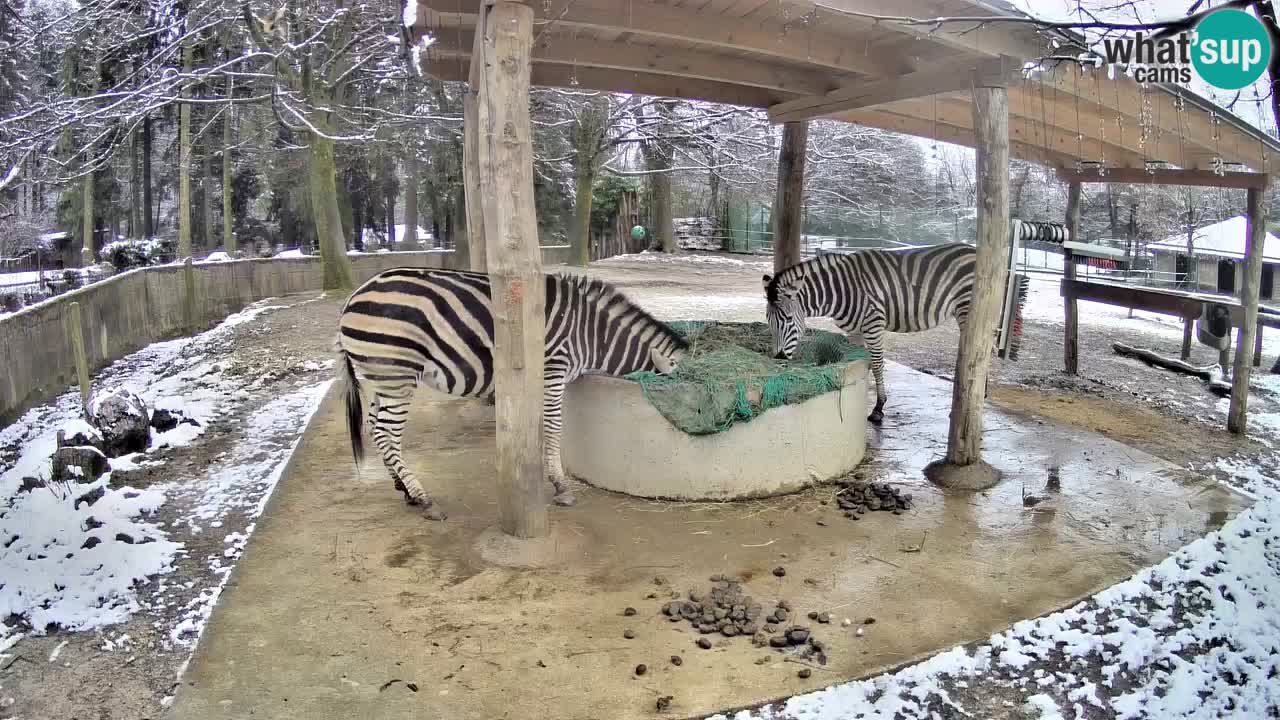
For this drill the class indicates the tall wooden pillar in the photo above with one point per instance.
(1071, 328)
(991, 126)
(477, 259)
(1236, 416)
(505, 171)
(789, 200)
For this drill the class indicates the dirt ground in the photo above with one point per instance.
(1169, 416)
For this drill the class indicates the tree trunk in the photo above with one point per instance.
(1071, 328)
(135, 183)
(411, 195)
(87, 224)
(322, 183)
(1237, 420)
(583, 182)
(148, 229)
(789, 198)
(663, 226)
(991, 123)
(206, 198)
(184, 165)
(228, 219)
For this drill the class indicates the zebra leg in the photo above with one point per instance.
(874, 337)
(552, 402)
(388, 426)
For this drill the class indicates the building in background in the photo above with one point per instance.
(1217, 252)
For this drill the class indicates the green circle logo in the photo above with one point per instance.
(1231, 49)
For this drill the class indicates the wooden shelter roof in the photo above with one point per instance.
(831, 59)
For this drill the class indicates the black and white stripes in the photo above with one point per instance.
(872, 292)
(413, 326)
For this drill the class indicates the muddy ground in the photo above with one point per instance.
(103, 675)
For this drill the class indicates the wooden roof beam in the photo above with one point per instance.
(879, 118)
(606, 80)
(672, 61)
(1200, 178)
(814, 48)
(998, 72)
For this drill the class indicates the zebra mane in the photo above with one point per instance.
(792, 274)
(594, 287)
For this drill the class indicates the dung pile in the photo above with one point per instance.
(727, 609)
(856, 499)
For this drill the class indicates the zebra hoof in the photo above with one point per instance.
(565, 499)
(876, 417)
(435, 514)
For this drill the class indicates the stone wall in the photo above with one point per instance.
(127, 312)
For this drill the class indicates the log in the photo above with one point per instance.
(477, 257)
(1211, 374)
(75, 334)
(505, 167)
(1071, 328)
(1237, 415)
(789, 199)
(991, 121)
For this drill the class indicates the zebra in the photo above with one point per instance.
(871, 291)
(412, 326)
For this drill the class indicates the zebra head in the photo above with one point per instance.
(785, 316)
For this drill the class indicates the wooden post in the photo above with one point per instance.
(1236, 416)
(789, 199)
(514, 261)
(477, 257)
(991, 124)
(1071, 328)
(1187, 325)
(188, 293)
(1257, 347)
(75, 333)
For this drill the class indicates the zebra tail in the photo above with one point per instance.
(355, 411)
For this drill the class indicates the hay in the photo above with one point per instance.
(729, 376)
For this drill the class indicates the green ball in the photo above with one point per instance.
(637, 233)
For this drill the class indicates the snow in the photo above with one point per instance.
(218, 256)
(290, 253)
(373, 237)
(1044, 707)
(688, 258)
(53, 578)
(1224, 239)
(32, 277)
(409, 16)
(53, 574)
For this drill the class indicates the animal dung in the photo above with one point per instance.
(857, 499)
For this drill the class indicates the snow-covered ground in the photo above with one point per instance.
(83, 558)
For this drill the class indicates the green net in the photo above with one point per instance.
(730, 377)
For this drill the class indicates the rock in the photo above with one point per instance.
(124, 538)
(759, 639)
(781, 615)
(629, 611)
(90, 543)
(804, 673)
(78, 433)
(869, 621)
(729, 631)
(629, 633)
(813, 615)
(123, 420)
(824, 618)
(166, 419)
(778, 641)
(90, 497)
(770, 628)
(798, 636)
(663, 704)
(82, 464)
(704, 643)
(642, 669)
(677, 660)
(779, 572)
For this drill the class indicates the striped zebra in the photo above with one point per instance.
(414, 326)
(872, 292)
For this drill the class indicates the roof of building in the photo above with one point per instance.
(862, 61)
(1224, 239)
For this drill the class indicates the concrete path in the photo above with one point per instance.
(348, 604)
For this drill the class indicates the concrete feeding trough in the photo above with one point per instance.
(615, 437)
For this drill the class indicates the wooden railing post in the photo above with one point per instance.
(1071, 328)
(75, 333)
(477, 258)
(505, 171)
(1237, 415)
